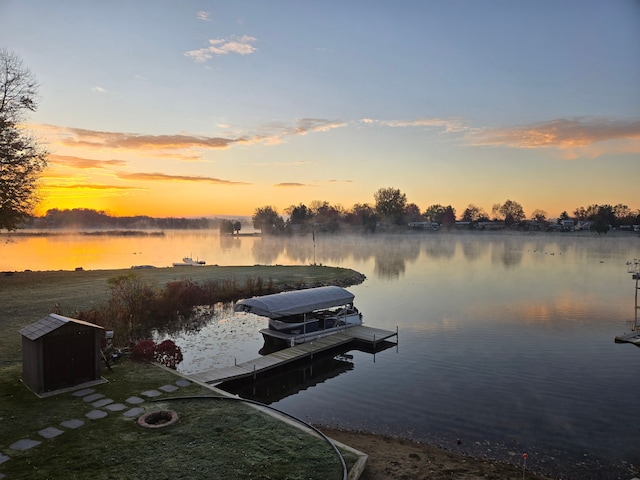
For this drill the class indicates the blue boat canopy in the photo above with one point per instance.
(295, 302)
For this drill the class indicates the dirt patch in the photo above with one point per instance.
(397, 459)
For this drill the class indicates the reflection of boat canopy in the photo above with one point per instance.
(295, 302)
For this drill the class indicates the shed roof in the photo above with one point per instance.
(50, 323)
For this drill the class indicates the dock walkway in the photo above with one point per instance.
(632, 337)
(251, 368)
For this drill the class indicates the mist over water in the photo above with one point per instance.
(505, 341)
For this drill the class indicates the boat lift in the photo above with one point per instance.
(633, 267)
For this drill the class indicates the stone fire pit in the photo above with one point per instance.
(158, 419)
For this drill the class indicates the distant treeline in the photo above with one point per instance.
(88, 219)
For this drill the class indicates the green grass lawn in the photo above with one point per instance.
(213, 439)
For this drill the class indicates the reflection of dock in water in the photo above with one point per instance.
(370, 338)
(289, 382)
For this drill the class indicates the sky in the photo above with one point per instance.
(206, 108)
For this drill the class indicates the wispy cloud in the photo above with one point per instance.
(204, 16)
(98, 90)
(449, 125)
(82, 163)
(163, 177)
(79, 137)
(560, 133)
(305, 125)
(291, 184)
(274, 133)
(179, 146)
(240, 45)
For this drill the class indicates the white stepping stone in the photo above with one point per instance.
(96, 414)
(134, 412)
(24, 444)
(50, 432)
(151, 393)
(168, 388)
(134, 400)
(83, 392)
(73, 423)
(183, 383)
(4, 458)
(116, 407)
(102, 403)
(93, 397)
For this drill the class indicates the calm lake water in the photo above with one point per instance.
(506, 342)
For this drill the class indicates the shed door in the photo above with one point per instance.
(69, 359)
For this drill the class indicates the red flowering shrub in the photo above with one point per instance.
(143, 351)
(168, 354)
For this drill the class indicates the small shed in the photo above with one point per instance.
(60, 352)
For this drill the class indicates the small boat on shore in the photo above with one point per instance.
(189, 262)
(301, 316)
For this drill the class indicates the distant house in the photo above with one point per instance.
(583, 225)
(60, 352)
(424, 225)
(567, 225)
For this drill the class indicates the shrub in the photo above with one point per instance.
(144, 351)
(166, 353)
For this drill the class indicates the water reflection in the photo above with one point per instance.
(505, 341)
(279, 386)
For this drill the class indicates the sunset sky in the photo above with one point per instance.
(198, 108)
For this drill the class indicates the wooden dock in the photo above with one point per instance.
(632, 337)
(252, 368)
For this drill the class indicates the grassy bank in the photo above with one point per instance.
(212, 439)
(26, 297)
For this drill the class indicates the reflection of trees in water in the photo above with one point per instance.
(507, 252)
(199, 318)
(227, 242)
(392, 252)
(266, 249)
(440, 246)
(391, 260)
(389, 252)
(390, 255)
(389, 267)
(473, 248)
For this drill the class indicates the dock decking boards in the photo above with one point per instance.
(292, 354)
(633, 337)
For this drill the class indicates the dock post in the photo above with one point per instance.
(254, 372)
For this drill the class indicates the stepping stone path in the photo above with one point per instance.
(50, 432)
(73, 423)
(134, 400)
(102, 403)
(97, 400)
(24, 444)
(151, 393)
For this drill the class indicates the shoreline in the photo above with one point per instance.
(392, 458)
